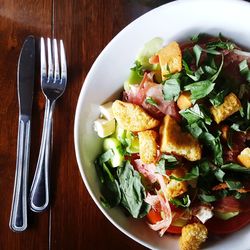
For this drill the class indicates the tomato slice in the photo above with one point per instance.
(218, 226)
(153, 216)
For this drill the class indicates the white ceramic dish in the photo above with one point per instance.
(175, 21)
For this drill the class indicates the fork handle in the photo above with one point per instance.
(39, 193)
(18, 216)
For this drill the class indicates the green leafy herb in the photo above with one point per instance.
(215, 76)
(194, 114)
(193, 174)
(197, 52)
(244, 69)
(233, 184)
(235, 168)
(181, 202)
(138, 68)
(151, 101)
(171, 89)
(219, 174)
(106, 156)
(195, 38)
(200, 89)
(213, 143)
(109, 186)
(227, 45)
(166, 162)
(133, 192)
(210, 70)
(207, 198)
(195, 76)
(217, 98)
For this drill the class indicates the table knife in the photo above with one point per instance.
(25, 85)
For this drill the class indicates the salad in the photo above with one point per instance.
(176, 145)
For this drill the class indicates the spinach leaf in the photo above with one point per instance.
(235, 168)
(181, 202)
(109, 186)
(200, 89)
(171, 89)
(193, 174)
(166, 162)
(213, 143)
(133, 192)
(151, 101)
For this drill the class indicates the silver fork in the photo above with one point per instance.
(53, 83)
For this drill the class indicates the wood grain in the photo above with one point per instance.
(86, 27)
(17, 20)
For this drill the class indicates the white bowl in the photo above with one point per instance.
(174, 21)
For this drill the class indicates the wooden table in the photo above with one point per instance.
(86, 26)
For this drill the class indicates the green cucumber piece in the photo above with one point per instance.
(226, 216)
(116, 147)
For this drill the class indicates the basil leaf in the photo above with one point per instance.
(235, 168)
(197, 52)
(133, 192)
(214, 144)
(171, 89)
(200, 89)
(210, 70)
(207, 198)
(193, 174)
(182, 202)
(197, 128)
(195, 76)
(215, 76)
(217, 99)
(138, 68)
(151, 101)
(221, 45)
(219, 174)
(244, 69)
(234, 185)
(109, 186)
(166, 162)
(194, 114)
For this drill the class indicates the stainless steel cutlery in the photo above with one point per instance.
(25, 84)
(53, 84)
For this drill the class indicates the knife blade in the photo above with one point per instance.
(25, 86)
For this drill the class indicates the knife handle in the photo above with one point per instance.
(18, 216)
(39, 192)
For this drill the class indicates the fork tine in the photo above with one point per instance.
(43, 60)
(63, 62)
(55, 56)
(50, 62)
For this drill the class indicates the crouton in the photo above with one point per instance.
(244, 157)
(132, 117)
(170, 59)
(174, 140)
(184, 100)
(192, 236)
(147, 146)
(175, 188)
(230, 105)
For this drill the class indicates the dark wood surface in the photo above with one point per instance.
(86, 26)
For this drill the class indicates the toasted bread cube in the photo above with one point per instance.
(174, 140)
(192, 236)
(244, 157)
(230, 105)
(170, 59)
(147, 146)
(184, 100)
(132, 117)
